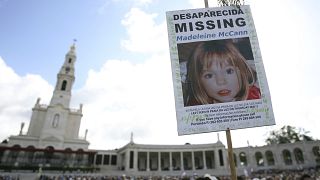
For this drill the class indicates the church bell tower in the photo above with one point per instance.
(65, 79)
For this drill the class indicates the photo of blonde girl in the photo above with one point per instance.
(218, 72)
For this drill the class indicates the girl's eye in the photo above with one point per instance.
(230, 71)
(207, 76)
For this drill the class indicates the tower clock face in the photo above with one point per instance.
(67, 69)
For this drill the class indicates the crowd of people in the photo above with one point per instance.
(280, 175)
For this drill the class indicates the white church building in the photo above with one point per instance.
(52, 142)
(55, 125)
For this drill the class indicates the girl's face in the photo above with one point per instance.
(220, 81)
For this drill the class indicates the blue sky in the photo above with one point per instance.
(123, 74)
(36, 32)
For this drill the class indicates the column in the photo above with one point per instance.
(94, 158)
(148, 161)
(252, 163)
(192, 160)
(159, 161)
(135, 160)
(216, 159)
(225, 159)
(170, 161)
(204, 160)
(265, 162)
(181, 161)
(102, 159)
(127, 160)
(293, 157)
(255, 159)
(280, 160)
(306, 155)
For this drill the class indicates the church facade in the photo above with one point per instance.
(55, 125)
(52, 142)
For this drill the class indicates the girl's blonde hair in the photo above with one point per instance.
(218, 52)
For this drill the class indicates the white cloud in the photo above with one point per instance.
(144, 35)
(18, 95)
(127, 97)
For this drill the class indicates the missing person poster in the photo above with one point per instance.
(218, 74)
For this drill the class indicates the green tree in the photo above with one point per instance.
(288, 134)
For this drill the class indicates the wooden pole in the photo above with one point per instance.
(230, 155)
(206, 4)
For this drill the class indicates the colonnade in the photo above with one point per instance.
(146, 160)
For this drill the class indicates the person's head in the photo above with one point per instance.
(305, 177)
(217, 72)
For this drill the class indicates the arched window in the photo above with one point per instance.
(270, 158)
(64, 85)
(49, 148)
(298, 154)
(55, 121)
(287, 157)
(243, 159)
(68, 150)
(259, 159)
(70, 60)
(16, 146)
